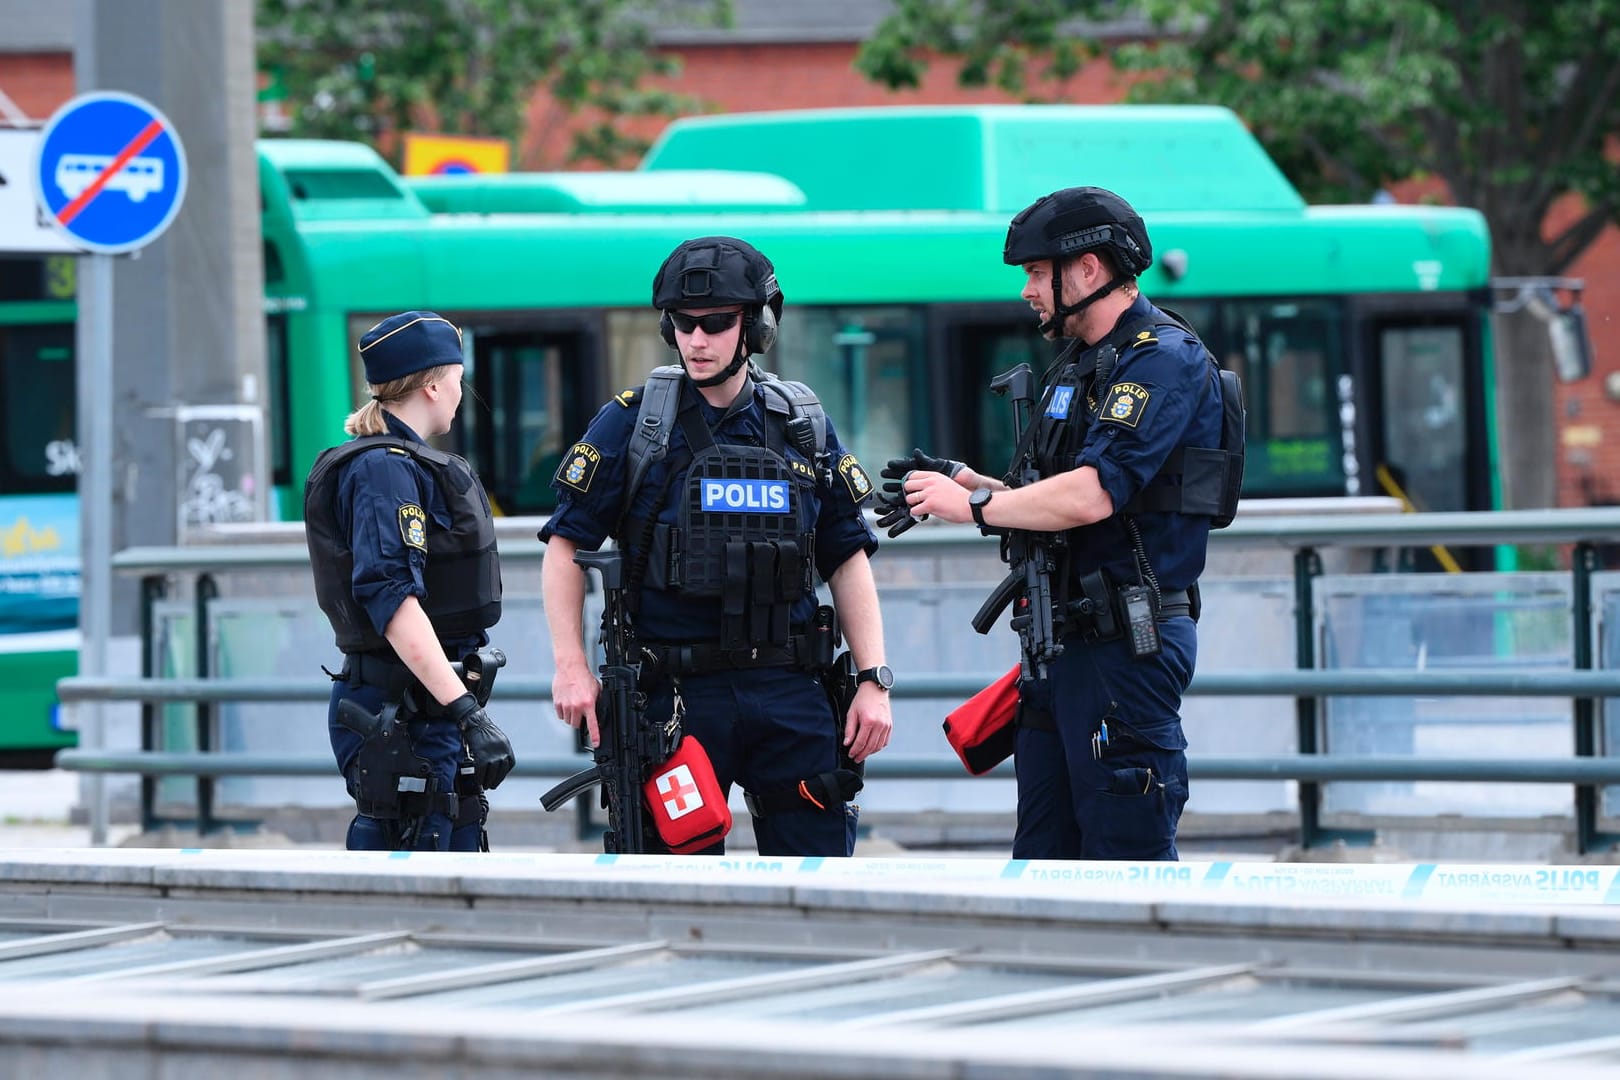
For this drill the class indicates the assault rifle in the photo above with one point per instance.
(1030, 555)
(629, 746)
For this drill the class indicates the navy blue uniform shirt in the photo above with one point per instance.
(1164, 393)
(373, 487)
(591, 496)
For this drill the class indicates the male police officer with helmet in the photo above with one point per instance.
(1099, 749)
(724, 525)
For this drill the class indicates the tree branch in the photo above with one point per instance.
(1598, 104)
(1568, 245)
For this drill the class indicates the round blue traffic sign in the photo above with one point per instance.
(111, 172)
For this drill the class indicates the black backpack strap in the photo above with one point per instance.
(660, 400)
(786, 396)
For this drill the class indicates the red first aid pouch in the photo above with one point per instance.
(981, 729)
(683, 796)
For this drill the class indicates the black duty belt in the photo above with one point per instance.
(703, 656)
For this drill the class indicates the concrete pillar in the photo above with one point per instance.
(190, 384)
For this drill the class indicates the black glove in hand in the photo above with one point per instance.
(897, 468)
(487, 745)
(894, 512)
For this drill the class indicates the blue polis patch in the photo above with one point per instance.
(745, 497)
(1062, 399)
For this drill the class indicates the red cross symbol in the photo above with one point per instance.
(675, 786)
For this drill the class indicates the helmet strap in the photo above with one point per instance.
(721, 376)
(1060, 312)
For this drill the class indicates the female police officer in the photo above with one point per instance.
(722, 529)
(1099, 749)
(403, 547)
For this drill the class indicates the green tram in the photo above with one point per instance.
(1361, 332)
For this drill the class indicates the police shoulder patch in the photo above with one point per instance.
(579, 466)
(1125, 404)
(855, 478)
(1144, 337)
(413, 526)
(627, 398)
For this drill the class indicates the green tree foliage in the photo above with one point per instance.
(355, 69)
(1513, 103)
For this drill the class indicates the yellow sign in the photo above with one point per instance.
(444, 155)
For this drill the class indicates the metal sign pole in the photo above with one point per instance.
(95, 507)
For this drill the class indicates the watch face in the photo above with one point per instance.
(883, 675)
(980, 496)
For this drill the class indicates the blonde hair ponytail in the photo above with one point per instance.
(368, 418)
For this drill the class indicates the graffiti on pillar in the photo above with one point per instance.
(219, 481)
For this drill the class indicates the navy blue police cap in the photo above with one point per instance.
(409, 342)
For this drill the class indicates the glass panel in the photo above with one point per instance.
(865, 365)
(1517, 622)
(1425, 424)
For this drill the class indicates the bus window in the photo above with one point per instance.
(37, 401)
(1290, 355)
(1425, 419)
(275, 354)
(866, 365)
(532, 385)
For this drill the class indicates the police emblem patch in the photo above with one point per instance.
(860, 486)
(578, 466)
(413, 526)
(1125, 404)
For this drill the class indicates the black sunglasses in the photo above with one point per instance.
(718, 323)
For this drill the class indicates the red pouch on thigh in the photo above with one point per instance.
(981, 729)
(688, 810)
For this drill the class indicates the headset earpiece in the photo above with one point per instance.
(666, 329)
(759, 329)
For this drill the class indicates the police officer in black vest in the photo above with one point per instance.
(403, 546)
(1099, 750)
(724, 528)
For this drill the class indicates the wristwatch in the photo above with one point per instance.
(978, 499)
(883, 675)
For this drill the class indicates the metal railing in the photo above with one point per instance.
(1301, 535)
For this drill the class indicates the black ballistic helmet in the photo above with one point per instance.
(712, 271)
(1074, 221)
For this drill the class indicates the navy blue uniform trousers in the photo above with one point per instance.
(767, 728)
(435, 741)
(1082, 798)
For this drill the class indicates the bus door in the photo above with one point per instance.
(1429, 435)
(970, 345)
(1430, 440)
(533, 391)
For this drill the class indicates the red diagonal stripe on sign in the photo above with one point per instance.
(150, 132)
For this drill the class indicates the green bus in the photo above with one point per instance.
(1361, 332)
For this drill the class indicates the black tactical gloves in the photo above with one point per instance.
(897, 468)
(895, 514)
(487, 745)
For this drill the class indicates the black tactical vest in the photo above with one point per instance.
(744, 531)
(463, 570)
